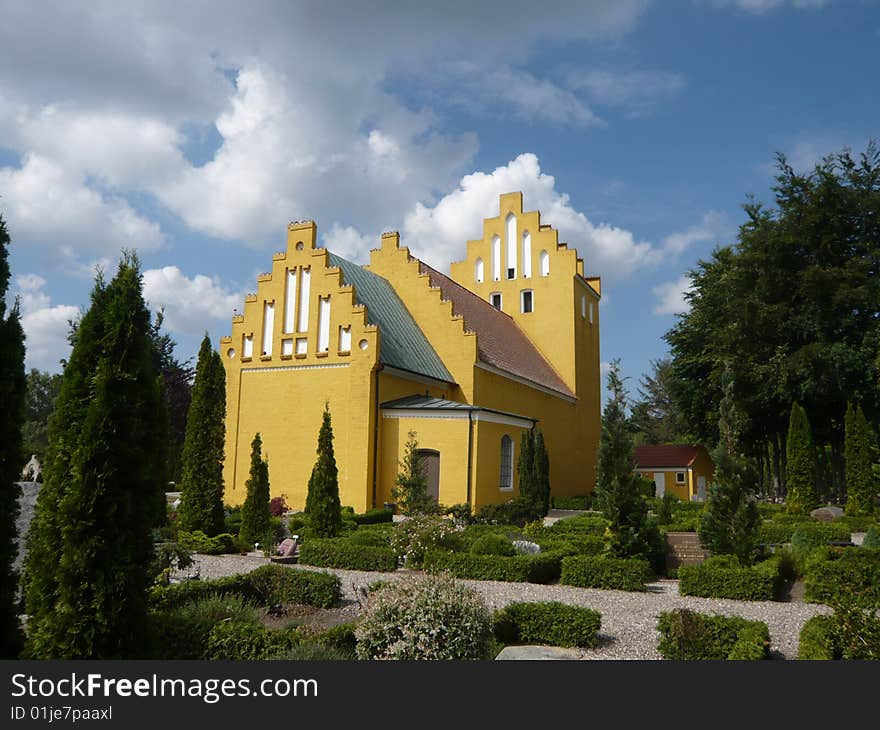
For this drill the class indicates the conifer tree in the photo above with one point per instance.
(801, 496)
(12, 396)
(322, 502)
(860, 484)
(542, 470)
(410, 490)
(90, 545)
(201, 483)
(528, 484)
(255, 514)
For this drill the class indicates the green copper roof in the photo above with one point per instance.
(402, 344)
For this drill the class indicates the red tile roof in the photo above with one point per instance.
(500, 341)
(666, 456)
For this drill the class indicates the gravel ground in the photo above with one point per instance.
(629, 620)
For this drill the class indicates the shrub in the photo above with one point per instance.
(573, 544)
(424, 618)
(810, 535)
(580, 502)
(370, 538)
(872, 538)
(689, 635)
(232, 520)
(547, 622)
(848, 634)
(412, 538)
(311, 651)
(493, 544)
(277, 506)
(716, 578)
(517, 512)
(247, 642)
(375, 516)
(623, 574)
(540, 568)
(665, 508)
(683, 522)
(340, 553)
(817, 639)
(199, 542)
(460, 513)
(837, 575)
(860, 523)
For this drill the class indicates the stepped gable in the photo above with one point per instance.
(500, 341)
(403, 345)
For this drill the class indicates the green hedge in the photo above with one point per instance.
(850, 634)
(690, 635)
(573, 544)
(370, 538)
(375, 516)
(810, 535)
(623, 574)
(199, 542)
(493, 544)
(716, 578)
(265, 585)
(341, 553)
(547, 622)
(540, 568)
(844, 575)
(592, 524)
(575, 503)
(817, 639)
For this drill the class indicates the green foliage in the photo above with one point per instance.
(861, 487)
(618, 493)
(848, 634)
(493, 544)
(621, 574)
(424, 618)
(12, 395)
(656, 417)
(199, 542)
(312, 651)
(41, 394)
(836, 576)
(240, 641)
(547, 622)
(540, 568)
(90, 544)
(872, 538)
(371, 537)
(817, 639)
(169, 557)
(255, 514)
(342, 553)
(542, 472)
(201, 479)
(375, 516)
(517, 511)
(581, 502)
(528, 483)
(726, 578)
(414, 537)
(666, 509)
(809, 535)
(687, 635)
(800, 466)
(322, 502)
(410, 490)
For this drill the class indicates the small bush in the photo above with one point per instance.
(573, 544)
(247, 642)
(540, 568)
(817, 639)
(370, 538)
(340, 553)
(517, 511)
(547, 622)
(860, 523)
(276, 584)
(839, 575)
(687, 635)
(851, 633)
(768, 510)
(277, 506)
(872, 538)
(583, 502)
(375, 516)
(623, 574)
(199, 542)
(493, 544)
(424, 618)
(725, 578)
(412, 538)
(311, 651)
(593, 524)
(810, 535)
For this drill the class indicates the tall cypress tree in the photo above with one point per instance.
(860, 485)
(201, 483)
(410, 490)
(322, 502)
(541, 469)
(90, 544)
(12, 396)
(528, 486)
(255, 514)
(801, 496)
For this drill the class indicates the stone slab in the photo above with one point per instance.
(536, 653)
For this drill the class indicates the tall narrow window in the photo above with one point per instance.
(305, 282)
(495, 300)
(583, 306)
(526, 301)
(506, 480)
(527, 255)
(323, 324)
(478, 271)
(496, 258)
(268, 326)
(591, 313)
(511, 246)
(545, 263)
(290, 302)
(345, 339)
(247, 346)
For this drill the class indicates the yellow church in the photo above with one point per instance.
(509, 341)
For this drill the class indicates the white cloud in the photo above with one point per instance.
(190, 304)
(45, 326)
(438, 233)
(349, 243)
(638, 91)
(759, 7)
(713, 226)
(670, 296)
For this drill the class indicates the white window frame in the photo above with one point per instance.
(506, 477)
(522, 301)
(500, 300)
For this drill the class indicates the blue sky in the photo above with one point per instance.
(194, 135)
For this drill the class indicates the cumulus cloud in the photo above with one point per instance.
(670, 296)
(45, 326)
(437, 233)
(638, 91)
(713, 226)
(190, 304)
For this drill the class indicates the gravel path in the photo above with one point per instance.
(629, 620)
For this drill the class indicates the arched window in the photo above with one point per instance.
(506, 462)
(545, 263)
(478, 271)
(511, 246)
(496, 258)
(527, 255)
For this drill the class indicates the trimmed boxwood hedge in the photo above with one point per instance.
(623, 574)
(341, 553)
(540, 568)
(573, 544)
(810, 535)
(268, 583)
(591, 524)
(689, 635)
(720, 577)
(844, 575)
(375, 516)
(817, 639)
(547, 622)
